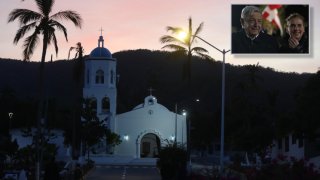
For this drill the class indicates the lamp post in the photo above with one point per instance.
(10, 114)
(184, 113)
(188, 123)
(222, 101)
(188, 132)
(175, 125)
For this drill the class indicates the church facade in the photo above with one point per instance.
(143, 130)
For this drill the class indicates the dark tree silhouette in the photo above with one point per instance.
(78, 70)
(185, 45)
(43, 23)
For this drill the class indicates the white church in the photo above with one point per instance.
(145, 128)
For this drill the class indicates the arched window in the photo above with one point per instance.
(93, 104)
(99, 77)
(105, 105)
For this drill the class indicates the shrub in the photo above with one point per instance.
(172, 162)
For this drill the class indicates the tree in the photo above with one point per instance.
(78, 70)
(249, 126)
(92, 132)
(45, 24)
(308, 105)
(185, 45)
(112, 139)
(173, 161)
(42, 23)
(7, 104)
(92, 129)
(8, 147)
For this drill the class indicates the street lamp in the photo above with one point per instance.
(183, 36)
(10, 114)
(184, 113)
(222, 100)
(175, 125)
(188, 123)
(188, 130)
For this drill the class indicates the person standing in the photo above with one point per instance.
(297, 40)
(252, 38)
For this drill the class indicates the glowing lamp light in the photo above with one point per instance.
(126, 137)
(172, 138)
(182, 35)
(10, 114)
(184, 112)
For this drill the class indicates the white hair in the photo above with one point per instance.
(248, 10)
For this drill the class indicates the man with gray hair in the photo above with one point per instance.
(252, 39)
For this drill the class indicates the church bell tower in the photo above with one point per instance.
(100, 83)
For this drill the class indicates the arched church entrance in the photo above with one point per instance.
(149, 146)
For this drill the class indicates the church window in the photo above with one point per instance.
(93, 104)
(99, 77)
(105, 105)
(151, 101)
(111, 77)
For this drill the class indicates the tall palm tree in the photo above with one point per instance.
(43, 23)
(185, 45)
(78, 70)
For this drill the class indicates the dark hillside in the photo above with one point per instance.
(22, 78)
(255, 96)
(141, 69)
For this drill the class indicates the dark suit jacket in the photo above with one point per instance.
(303, 46)
(264, 43)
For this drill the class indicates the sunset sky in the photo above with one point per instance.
(138, 24)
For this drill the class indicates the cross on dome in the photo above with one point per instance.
(150, 90)
(101, 39)
(100, 50)
(101, 31)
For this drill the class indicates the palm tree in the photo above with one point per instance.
(78, 70)
(79, 51)
(45, 24)
(42, 23)
(185, 45)
(252, 74)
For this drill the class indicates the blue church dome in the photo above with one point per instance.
(101, 51)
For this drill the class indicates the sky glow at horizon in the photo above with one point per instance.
(139, 24)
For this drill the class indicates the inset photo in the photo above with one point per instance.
(270, 29)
